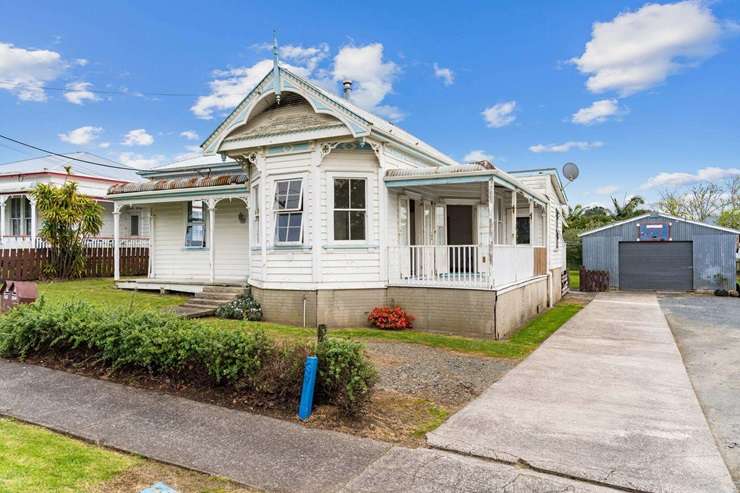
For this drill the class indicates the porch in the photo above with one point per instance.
(470, 227)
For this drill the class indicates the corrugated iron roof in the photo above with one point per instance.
(179, 183)
(440, 171)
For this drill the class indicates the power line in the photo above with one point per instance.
(64, 156)
(108, 92)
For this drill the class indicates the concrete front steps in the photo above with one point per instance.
(204, 304)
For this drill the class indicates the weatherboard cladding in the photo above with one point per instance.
(181, 183)
(714, 250)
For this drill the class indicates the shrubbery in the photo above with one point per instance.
(242, 308)
(386, 317)
(166, 345)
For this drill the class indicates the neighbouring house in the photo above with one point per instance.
(658, 251)
(19, 224)
(325, 211)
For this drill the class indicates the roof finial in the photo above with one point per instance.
(275, 67)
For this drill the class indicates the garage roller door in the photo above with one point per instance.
(656, 265)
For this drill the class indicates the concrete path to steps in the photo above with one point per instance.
(605, 399)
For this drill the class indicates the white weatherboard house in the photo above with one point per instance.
(327, 211)
(94, 175)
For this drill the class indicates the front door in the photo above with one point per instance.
(460, 232)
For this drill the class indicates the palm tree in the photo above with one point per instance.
(629, 208)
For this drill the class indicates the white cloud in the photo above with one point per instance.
(24, 72)
(500, 115)
(141, 162)
(189, 134)
(104, 145)
(309, 56)
(81, 61)
(607, 189)
(81, 136)
(371, 76)
(637, 50)
(229, 87)
(566, 146)
(477, 155)
(138, 137)
(711, 173)
(600, 111)
(79, 92)
(446, 74)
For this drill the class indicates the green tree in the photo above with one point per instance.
(729, 218)
(629, 208)
(68, 219)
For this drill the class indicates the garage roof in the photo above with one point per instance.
(653, 214)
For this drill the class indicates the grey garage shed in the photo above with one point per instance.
(658, 251)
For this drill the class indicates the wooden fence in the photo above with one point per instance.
(26, 264)
(594, 280)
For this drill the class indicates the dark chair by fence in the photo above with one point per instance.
(594, 280)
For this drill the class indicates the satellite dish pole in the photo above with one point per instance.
(570, 172)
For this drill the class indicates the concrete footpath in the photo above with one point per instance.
(257, 451)
(605, 399)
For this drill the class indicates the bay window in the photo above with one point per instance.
(289, 211)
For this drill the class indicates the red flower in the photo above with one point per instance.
(393, 318)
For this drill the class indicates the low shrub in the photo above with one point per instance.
(394, 318)
(242, 308)
(165, 345)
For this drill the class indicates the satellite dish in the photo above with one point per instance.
(570, 171)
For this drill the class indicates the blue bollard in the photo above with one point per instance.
(309, 383)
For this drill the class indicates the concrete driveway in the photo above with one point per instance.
(606, 399)
(707, 330)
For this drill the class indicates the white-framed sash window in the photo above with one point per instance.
(350, 209)
(289, 211)
(195, 231)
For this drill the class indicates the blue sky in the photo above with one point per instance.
(657, 84)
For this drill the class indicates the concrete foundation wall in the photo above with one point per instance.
(286, 306)
(465, 312)
(517, 306)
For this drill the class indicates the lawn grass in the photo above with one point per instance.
(518, 346)
(34, 459)
(574, 280)
(102, 292)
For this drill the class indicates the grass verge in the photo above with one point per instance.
(34, 459)
(574, 280)
(103, 292)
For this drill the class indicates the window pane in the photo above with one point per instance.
(357, 194)
(195, 210)
(341, 225)
(294, 234)
(282, 187)
(341, 194)
(292, 201)
(357, 225)
(282, 220)
(295, 220)
(134, 226)
(295, 187)
(522, 230)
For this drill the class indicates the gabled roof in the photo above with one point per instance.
(56, 164)
(360, 122)
(660, 214)
(557, 183)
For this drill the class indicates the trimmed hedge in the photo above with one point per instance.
(164, 344)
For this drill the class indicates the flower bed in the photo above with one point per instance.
(165, 345)
(392, 318)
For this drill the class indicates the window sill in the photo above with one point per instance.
(293, 247)
(195, 248)
(349, 245)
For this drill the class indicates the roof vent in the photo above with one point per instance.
(347, 84)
